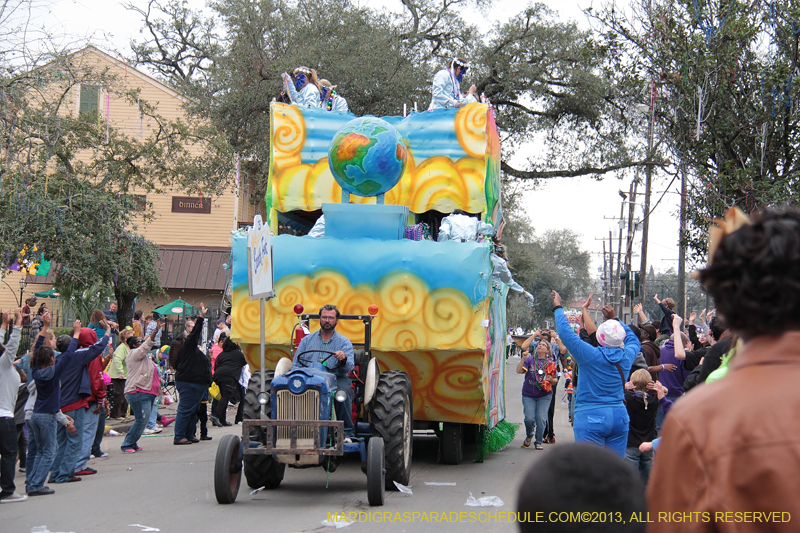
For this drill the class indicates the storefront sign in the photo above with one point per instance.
(189, 204)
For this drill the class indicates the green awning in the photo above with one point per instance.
(175, 308)
(47, 294)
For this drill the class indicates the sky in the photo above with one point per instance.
(589, 207)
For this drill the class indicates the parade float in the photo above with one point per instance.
(383, 186)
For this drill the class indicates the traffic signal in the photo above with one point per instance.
(632, 285)
(626, 276)
(636, 286)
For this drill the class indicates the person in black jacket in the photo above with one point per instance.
(192, 379)
(228, 370)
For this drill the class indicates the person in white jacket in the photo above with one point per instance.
(9, 387)
(446, 90)
(332, 100)
(304, 89)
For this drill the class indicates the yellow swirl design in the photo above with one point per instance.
(436, 183)
(470, 126)
(447, 384)
(289, 185)
(411, 315)
(289, 135)
(401, 295)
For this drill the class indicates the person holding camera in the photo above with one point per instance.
(537, 389)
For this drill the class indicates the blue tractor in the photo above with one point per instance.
(292, 421)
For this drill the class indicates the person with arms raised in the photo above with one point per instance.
(600, 414)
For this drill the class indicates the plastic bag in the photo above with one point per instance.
(485, 501)
(214, 391)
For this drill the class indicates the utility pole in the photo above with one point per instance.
(629, 248)
(605, 276)
(612, 290)
(620, 294)
(647, 187)
(631, 226)
(681, 299)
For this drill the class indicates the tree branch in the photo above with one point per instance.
(573, 173)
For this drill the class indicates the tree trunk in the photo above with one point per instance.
(124, 308)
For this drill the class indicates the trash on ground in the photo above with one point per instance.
(145, 528)
(403, 488)
(112, 433)
(130, 469)
(259, 489)
(439, 484)
(484, 501)
(43, 529)
(339, 521)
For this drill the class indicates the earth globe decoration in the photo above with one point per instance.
(367, 156)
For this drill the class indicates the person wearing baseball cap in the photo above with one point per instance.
(600, 413)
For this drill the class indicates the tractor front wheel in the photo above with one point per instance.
(260, 470)
(228, 469)
(375, 471)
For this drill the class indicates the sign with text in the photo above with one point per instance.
(259, 259)
(190, 204)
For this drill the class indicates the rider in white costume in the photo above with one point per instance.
(304, 89)
(446, 90)
(332, 100)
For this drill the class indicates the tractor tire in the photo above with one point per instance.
(376, 484)
(228, 469)
(392, 418)
(260, 470)
(451, 440)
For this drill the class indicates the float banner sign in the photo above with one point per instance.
(259, 261)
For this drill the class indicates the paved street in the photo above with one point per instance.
(171, 488)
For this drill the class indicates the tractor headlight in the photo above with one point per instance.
(340, 396)
(263, 398)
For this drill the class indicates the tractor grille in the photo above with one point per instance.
(303, 406)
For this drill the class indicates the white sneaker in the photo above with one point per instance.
(157, 429)
(13, 498)
(103, 454)
(148, 431)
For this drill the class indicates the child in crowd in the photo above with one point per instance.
(47, 371)
(643, 397)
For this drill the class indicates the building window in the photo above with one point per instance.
(89, 98)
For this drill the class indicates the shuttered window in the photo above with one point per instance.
(89, 98)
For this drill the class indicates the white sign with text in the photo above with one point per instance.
(259, 261)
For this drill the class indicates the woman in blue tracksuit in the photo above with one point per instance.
(600, 414)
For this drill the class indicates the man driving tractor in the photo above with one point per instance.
(326, 339)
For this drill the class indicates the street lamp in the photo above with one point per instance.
(21, 287)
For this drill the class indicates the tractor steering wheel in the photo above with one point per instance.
(309, 362)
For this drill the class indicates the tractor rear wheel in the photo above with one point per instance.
(451, 440)
(260, 470)
(392, 417)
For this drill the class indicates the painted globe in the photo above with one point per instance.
(367, 156)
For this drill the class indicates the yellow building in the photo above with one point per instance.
(192, 230)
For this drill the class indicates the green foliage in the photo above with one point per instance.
(79, 303)
(67, 176)
(546, 78)
(726, 99)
